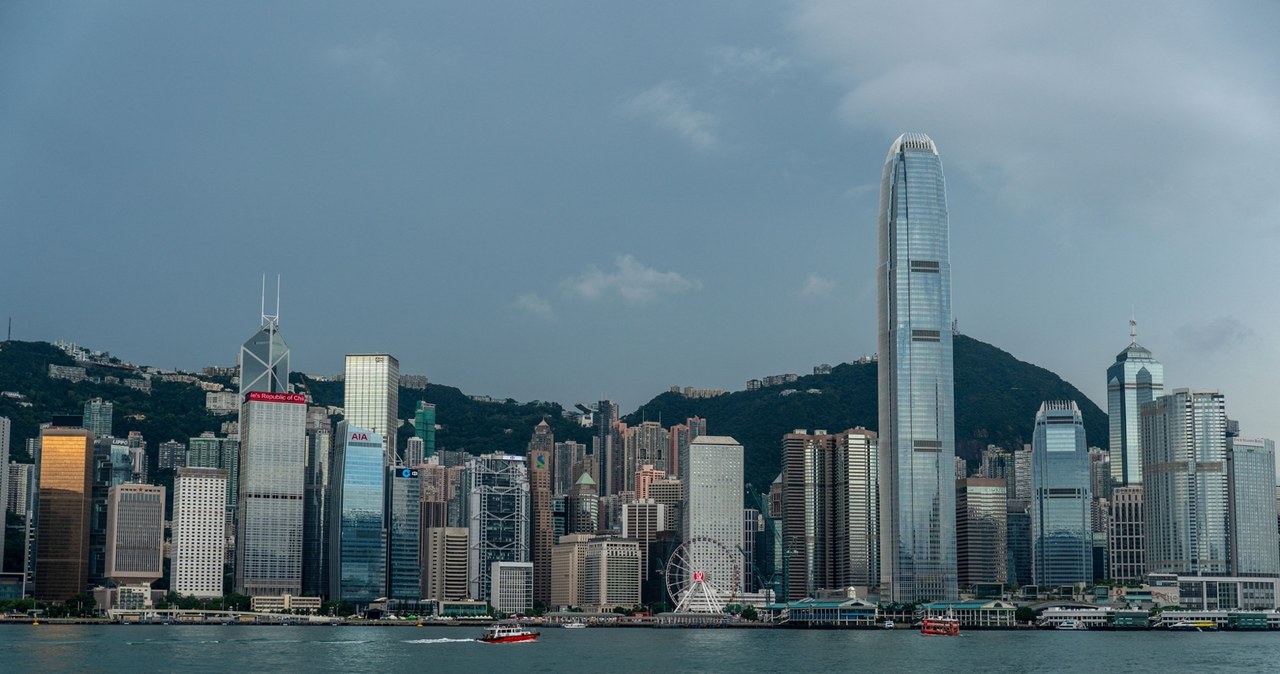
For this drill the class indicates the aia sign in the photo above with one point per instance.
(360, 436)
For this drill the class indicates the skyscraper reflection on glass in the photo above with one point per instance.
(357, 538)
(917, 409)
(1061, 536)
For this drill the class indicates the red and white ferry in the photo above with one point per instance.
(500, 633)
(949, 627)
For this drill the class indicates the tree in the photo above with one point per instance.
(1025, 614)
(749, 613)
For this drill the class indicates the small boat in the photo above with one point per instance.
(948, 627)
(888, 625)
(500, 633)
(1071, 624)
(574, 625)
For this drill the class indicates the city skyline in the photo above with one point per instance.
(744, 138)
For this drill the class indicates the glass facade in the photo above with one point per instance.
(264, 360)
(916, 392)
(1255, 550)
(404, 572)
(1184, 483)
(1061, 524)
(357, 537)
(269, 517)
(1136, 378)
(371, 397)
(62, 541)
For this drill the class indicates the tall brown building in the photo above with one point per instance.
(62, 543)
(541, 451)
(982, 550)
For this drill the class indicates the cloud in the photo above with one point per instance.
(669, 107)
(630, 280)
(1040, 103)
(371, 58)
(753, 63)
(1210, 337)
(534, 306)
(817, 286)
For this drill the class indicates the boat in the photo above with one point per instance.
(888, 625)
(949, 627)
(1071, 624)
(500, 633)
(1193, 626)
(574, 625)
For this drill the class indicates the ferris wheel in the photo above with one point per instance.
(703, 575)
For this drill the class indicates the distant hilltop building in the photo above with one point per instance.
(771, 380)
(414, 381)
(822, 369)
(691, 392)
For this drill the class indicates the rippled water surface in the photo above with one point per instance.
(310, 650)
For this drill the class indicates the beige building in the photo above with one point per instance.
(568, 559)
(641, 522)
(135, 533)
(610, 574)
(444, 563)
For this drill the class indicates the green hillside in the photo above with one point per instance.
(997, 397)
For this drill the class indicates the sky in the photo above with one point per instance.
(575, 200)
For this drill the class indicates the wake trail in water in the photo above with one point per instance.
(445, 640)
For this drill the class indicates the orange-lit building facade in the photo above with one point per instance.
(62, 544)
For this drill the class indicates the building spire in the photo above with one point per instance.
(1133, 327)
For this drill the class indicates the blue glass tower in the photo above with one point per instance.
(1061, 536)
(1135, 379)
(917, 407)
(357, 535)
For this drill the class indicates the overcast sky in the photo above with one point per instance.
(573, 200)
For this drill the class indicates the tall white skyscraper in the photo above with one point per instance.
(917, 408)
(371, 397)
(5, 432)
(1184, 484)
(1135, 379)
(198, 542)
(714, 509)
(272, 485)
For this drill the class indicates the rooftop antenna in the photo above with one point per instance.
(263, 313)
(1133, 326)
(277, 298)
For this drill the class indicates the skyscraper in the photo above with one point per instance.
(97, 417)
(264, 360)
(1184, 484)
(1254, 547)
(357, 534)
(315, 511)
(714, 498)
(424, 427)
(497, 513)
(135, 534)
(272, 487)
(981, 530)
(1126, 544)
(916, 392)
(62, 538)
(1061, 526)
(371, 397)
(540, 456)
(606, 417)
(1136, 378)
(198, 546)
(5, 427)
(404, 564)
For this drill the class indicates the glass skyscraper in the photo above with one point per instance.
(917, 408)
(357, 535)
(269, 517)
(1136, 378)
(1254, 547)
(371, 397)
(404, 569)
(1061, 529)
(1184, 484)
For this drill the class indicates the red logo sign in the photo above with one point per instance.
(359, 436)
(264, 397)
(699, 576)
